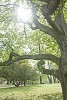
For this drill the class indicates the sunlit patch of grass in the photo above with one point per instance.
(35, 92)
(54, 96)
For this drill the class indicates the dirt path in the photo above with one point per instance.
(6, 86)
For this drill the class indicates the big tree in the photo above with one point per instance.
(57, 28)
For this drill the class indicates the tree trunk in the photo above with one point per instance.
(64, 88)
(54, 79)
(7, 82)
(63, 81)
(64, 67)
(49, 78)
(40, 79)
(24, 83)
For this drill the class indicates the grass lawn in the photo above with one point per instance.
(35, 92)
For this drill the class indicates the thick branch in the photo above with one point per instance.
(43, 28)
(46, 29)
(63, 23)
(34, 57)
(54, 25)
(49, 9)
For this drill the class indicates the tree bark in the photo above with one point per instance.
(40, 79)
(63, 68)
(63, 81)
(34, 57)
(64, 89)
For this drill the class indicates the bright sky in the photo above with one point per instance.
(24, 13)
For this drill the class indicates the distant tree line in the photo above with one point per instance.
(19, 73)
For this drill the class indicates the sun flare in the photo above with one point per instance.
(24, 14)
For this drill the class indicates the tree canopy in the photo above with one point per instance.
(49, 17)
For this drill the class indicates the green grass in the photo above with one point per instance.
(35, 92)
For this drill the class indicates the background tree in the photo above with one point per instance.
(19, 73)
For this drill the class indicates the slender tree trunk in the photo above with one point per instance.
(40, 79)
(49, 78)
(54, 79)
(7, 82)
(24, 83)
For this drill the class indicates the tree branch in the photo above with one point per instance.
(63, 23)
(46, 29)
(43, 28)
(17, 57)
(54, 25)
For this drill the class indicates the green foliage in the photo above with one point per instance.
(20, 71)
(14, 36)
(46, 42)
